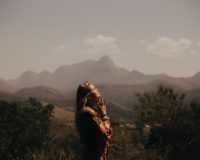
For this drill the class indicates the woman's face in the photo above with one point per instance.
(94, 91)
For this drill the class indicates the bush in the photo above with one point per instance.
(175, 132)
(24, 128)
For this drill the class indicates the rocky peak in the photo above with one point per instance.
(106, 61)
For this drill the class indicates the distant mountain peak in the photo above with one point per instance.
(196, 77)
(5, 87)
(197, 74)
(27, 75)
(135, 72)
(106, 60)
(45, 72)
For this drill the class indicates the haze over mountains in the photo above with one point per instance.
(66, 78)
(118, 84)
(4, 86)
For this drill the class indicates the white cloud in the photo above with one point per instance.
(169, 48)
(198, 43)
(101, 44)
(60, 48)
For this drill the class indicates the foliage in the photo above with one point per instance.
(27, 131)
(24, 127)
(158, 106)
(178, 133)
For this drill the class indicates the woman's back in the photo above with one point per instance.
(90, 135)
(92, 122)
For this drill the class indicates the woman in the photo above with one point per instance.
(92, 122)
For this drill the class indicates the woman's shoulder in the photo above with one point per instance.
(89, 115)
(89, 110)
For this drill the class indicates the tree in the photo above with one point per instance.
(24, 127)
(158, 106)
(178, 135)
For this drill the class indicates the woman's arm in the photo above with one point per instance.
(103, 125)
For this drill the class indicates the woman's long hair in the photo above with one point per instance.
(82, 92)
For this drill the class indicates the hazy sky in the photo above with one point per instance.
(152, 36)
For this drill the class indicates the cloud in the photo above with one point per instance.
(101, 44)
(198, 44)
(60, 48)
(169, 48)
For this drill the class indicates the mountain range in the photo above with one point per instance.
(66, 78)
(117, 84)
